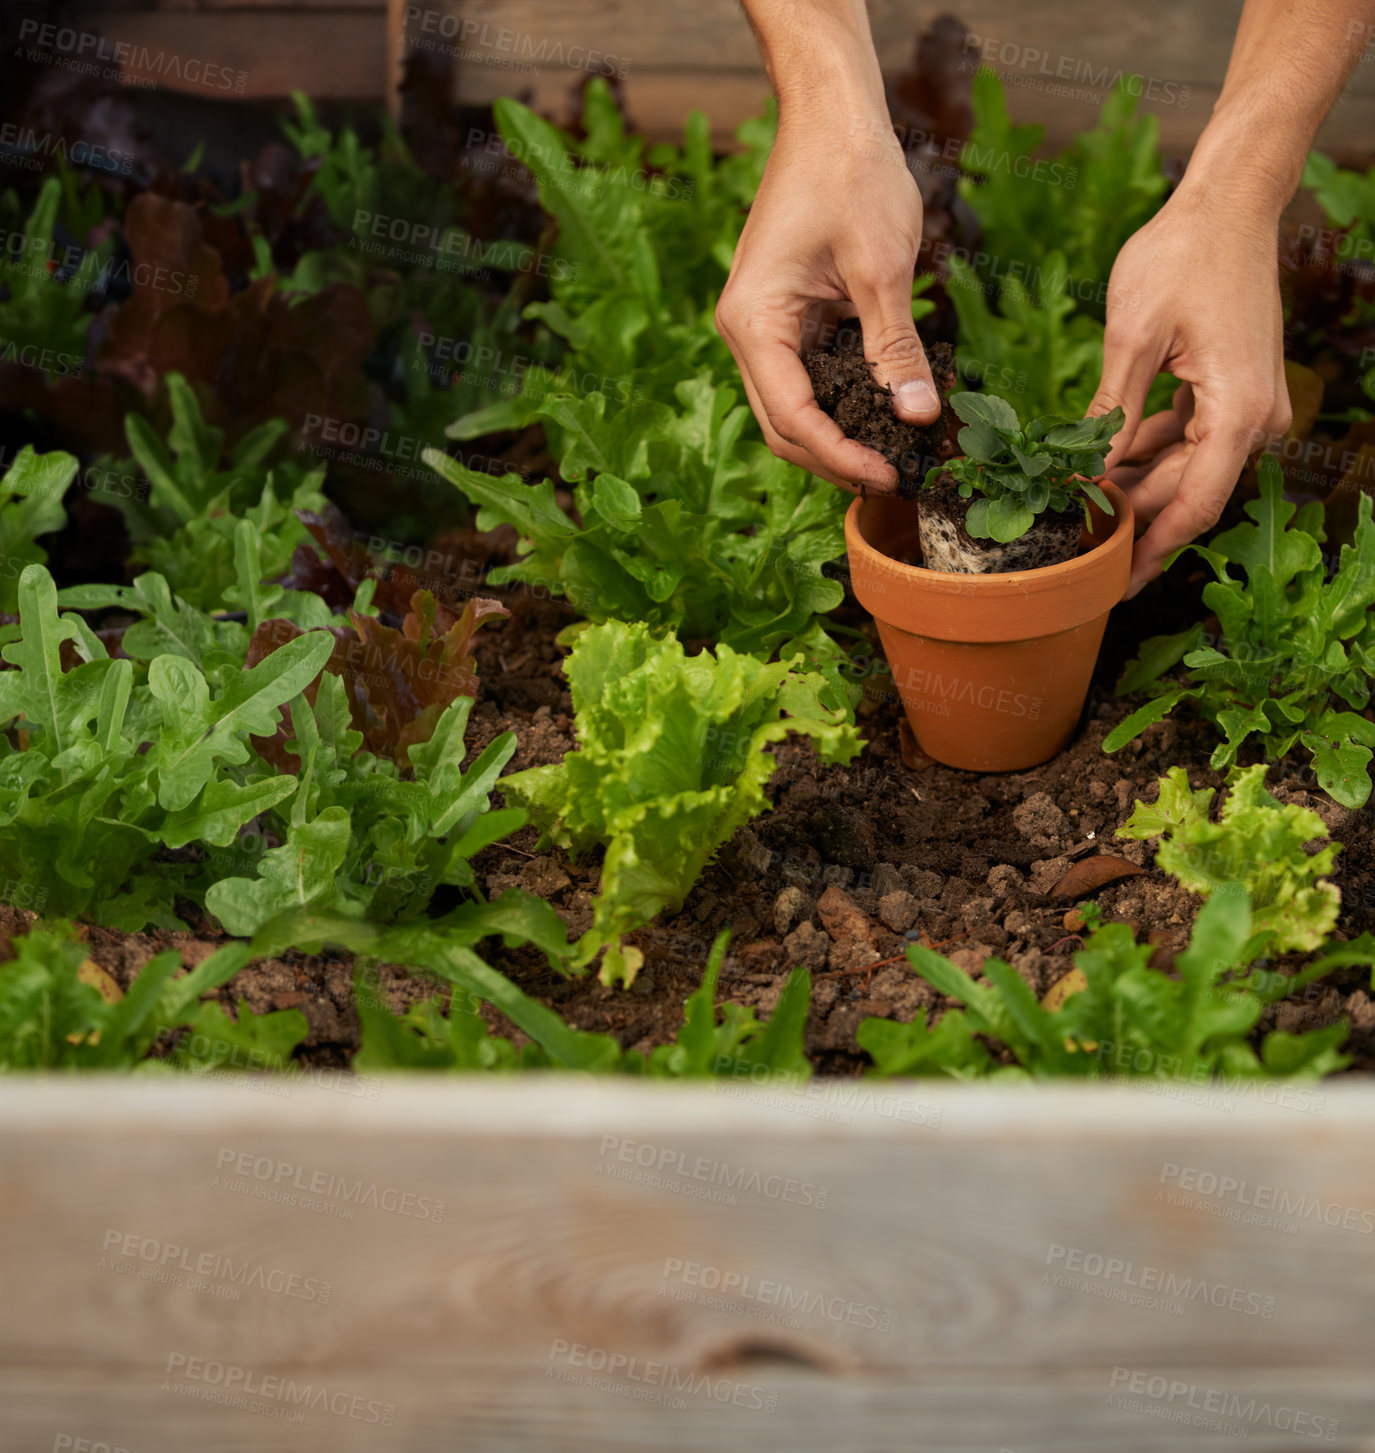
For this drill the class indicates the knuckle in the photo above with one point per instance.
(1203, 514)
(894, 342)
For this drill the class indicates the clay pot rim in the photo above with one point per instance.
(1042, 577)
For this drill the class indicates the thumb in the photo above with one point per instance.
(1128, 372)
(894, 352)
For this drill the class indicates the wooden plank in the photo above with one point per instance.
(379, 6)
(678, 59)
(948, 1279)
(659, 102)
(1178, 42)
(329, 53)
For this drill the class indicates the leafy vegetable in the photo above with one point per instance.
(671, 760)
(110, 769)
(1051, 230)
(1118, 1016)
(444, 947)
(1347, 197)
(399, 682)
(30, 505)
(43, 292)
(1084, 203)
(427, 1038)
(355, 837)
(1020, 471)
(1257, 842)
(190, 527)
(1295, 652)
(59, 1011)
(685, 519)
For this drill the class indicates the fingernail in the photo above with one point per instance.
(917, 396)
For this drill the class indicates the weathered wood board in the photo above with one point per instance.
(1058, 60)
(627, 1266)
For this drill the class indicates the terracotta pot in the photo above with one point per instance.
(992, 670)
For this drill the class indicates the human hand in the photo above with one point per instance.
(1196, 293)
(834, 231)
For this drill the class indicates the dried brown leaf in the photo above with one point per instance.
(1090, 874)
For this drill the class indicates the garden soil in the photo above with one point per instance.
(850, 866)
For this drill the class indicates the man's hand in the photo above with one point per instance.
(834, 231)
(1194, 293)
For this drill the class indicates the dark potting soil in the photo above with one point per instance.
(850, 866)
(847, 391)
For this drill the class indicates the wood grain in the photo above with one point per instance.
(934, 1290)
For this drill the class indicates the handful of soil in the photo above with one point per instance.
(845, 388)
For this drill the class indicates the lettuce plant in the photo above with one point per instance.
(1020, 471)
(1121, 1017)
(98, 771)
(30, 505)
(1257, 842)
(685, 519)
(426, 1037)
(671, 759)
(1295, 652)
(58, 1011)
(1050, 231)
(190, 526)
(358, 838)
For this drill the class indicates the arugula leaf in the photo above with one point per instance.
(1113, 1014)
(113, 767)
(1295, 650)
(30, 505)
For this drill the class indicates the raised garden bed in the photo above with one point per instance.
(414, 660)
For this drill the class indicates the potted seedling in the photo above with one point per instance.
(1020, 496)
(990, 576)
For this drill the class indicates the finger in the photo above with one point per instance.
(871, 471)
(1205, 485)
(1129, 369)
(1156, 432)
(1158, 482)
(894, 352)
